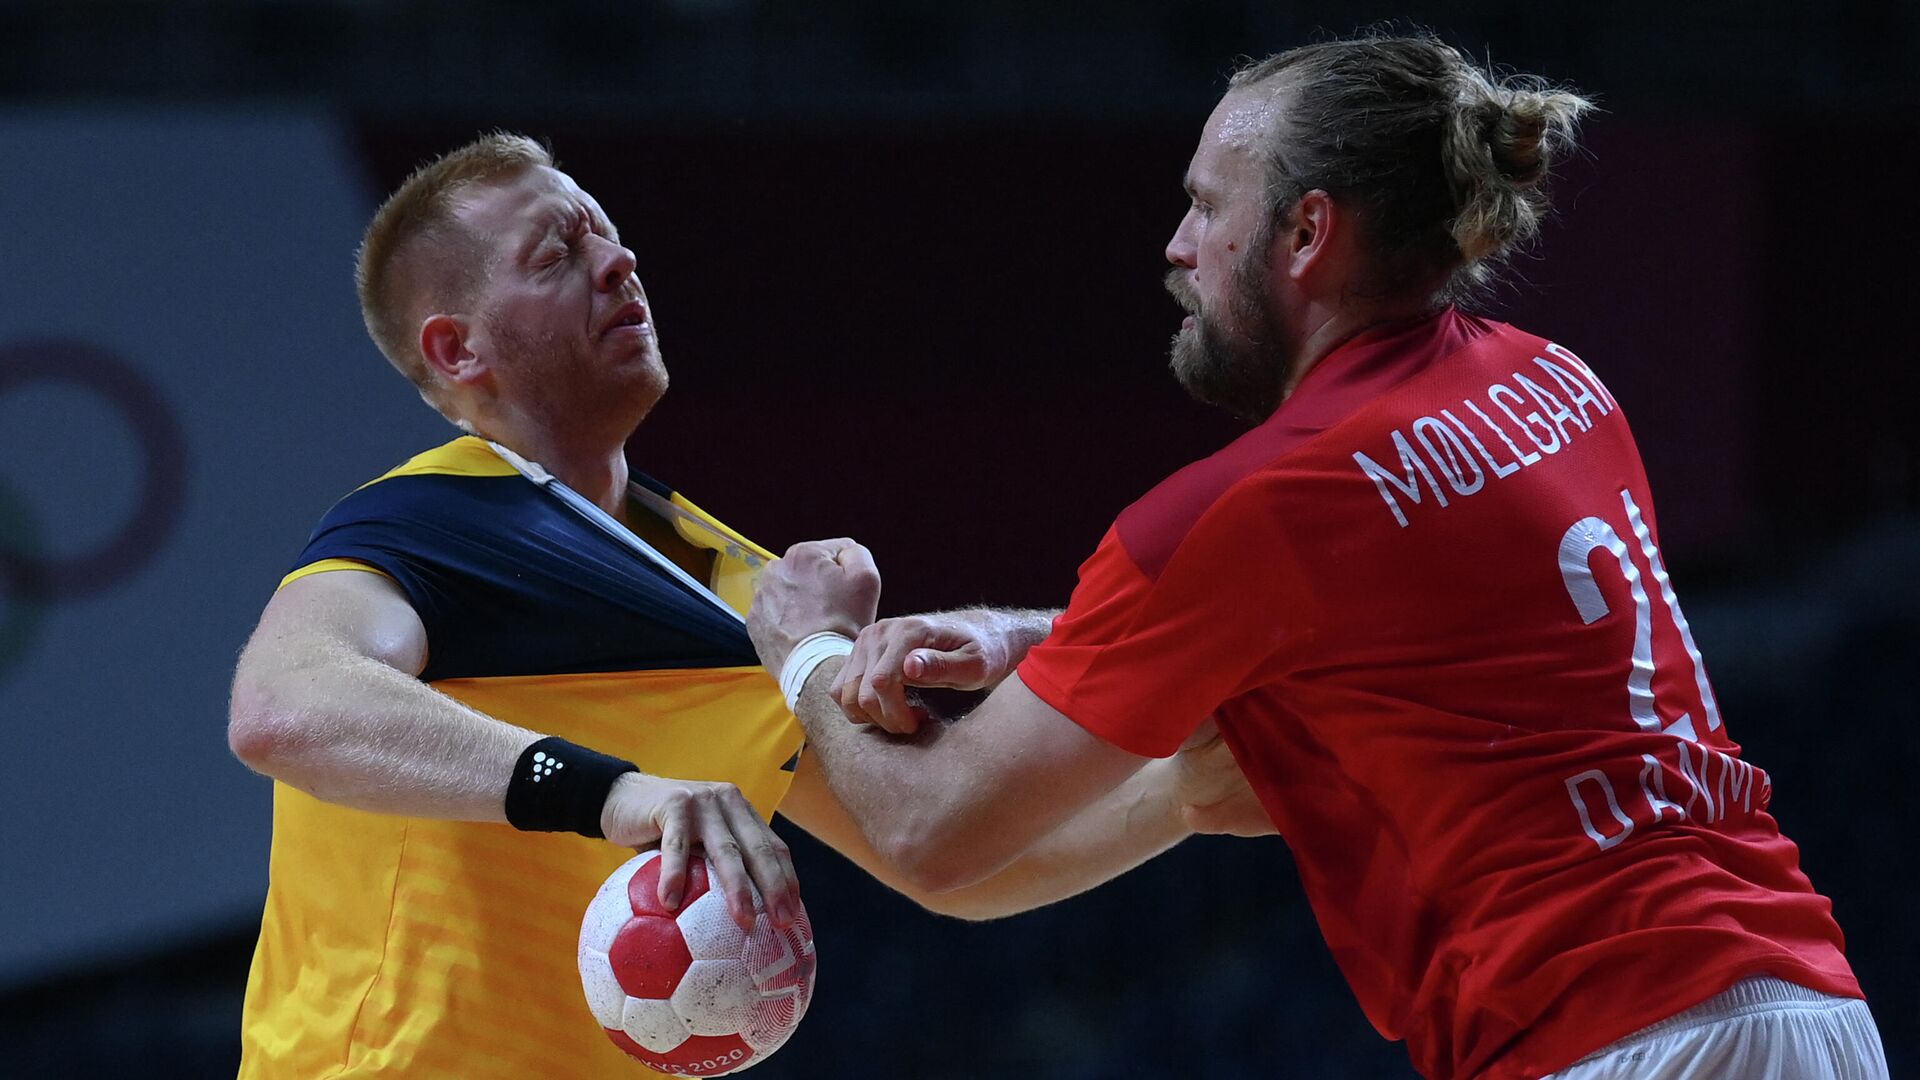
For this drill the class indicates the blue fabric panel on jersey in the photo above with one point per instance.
(509, 581)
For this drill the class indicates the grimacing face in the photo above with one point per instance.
(561, 315)
(1230, 352)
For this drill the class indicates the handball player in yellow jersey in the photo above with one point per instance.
(513, 635)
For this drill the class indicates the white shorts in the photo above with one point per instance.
(1761, 1029)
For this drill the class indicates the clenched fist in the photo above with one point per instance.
(821, 585)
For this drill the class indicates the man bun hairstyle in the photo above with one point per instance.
(417, 259)
(1446, 161)
(1504, 138)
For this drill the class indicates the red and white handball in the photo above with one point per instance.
(689, 992)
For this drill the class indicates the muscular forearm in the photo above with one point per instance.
(1127, 826)
(923, 802)
(862, 766)
(964, 649)
(327, 698)
(1016, 629)
(354, 731)
(1131, 824)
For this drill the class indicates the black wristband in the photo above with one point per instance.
(559, 786)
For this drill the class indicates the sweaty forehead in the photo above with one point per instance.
(1230, 153)
(1242, 120)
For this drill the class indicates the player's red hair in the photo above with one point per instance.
(417, 259)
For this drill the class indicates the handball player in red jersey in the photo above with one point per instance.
(1423, 601)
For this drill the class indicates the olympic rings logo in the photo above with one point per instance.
(34, 575)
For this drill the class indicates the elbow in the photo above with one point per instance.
(963, 905)
(930, 874)
(943, 879)
(257, 731)
(935, 862)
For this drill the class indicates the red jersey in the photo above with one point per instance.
(1425, 602)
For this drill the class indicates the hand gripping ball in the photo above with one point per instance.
(689, 992)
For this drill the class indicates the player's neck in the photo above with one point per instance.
(596, 467)
(601, 477)
(1328, 328)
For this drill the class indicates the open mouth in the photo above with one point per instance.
(629, 316)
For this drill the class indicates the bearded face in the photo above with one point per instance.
(1233, 358)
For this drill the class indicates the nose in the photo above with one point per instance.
(613, 265)
(1183, 249)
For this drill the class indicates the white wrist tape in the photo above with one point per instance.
(813, 650)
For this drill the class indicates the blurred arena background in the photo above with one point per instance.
(905, 258)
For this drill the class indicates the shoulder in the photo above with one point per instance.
(1153, 528)
(464, 456)
(452, 477)
(448, 505)
(1374, 372)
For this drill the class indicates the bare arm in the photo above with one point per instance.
(1141, 818)
(959, 803)
(327, 699)
(969, 649)
(953, 805)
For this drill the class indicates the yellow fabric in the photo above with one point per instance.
(732, 579)
(467, 455)
(325, 565)
(715, 534)
(737, 560)
(422, 948)
(446, 949)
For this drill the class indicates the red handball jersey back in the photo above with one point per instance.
(1427, 605)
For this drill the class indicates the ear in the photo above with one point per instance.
(445, 341)
(1306, 242)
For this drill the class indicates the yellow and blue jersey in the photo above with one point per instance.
(415, 947)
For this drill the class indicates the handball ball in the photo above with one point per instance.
(689, 992)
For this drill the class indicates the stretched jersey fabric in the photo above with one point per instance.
(1426, 604)
(410, 947)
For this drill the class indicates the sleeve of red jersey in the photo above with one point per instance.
(1142, 661)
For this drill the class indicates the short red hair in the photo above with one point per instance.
(417, 259)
